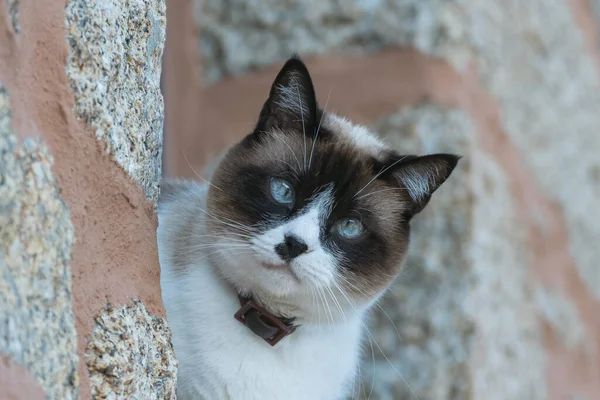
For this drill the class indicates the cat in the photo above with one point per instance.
(269, 269)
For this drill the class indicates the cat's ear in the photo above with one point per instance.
(421, 176)
(292, 104)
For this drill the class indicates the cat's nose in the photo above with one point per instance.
(290, 248)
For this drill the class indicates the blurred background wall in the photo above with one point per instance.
(500, 298)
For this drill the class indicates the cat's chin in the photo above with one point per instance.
(262, 277)
(285, 268)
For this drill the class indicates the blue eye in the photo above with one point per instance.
(349, 228)
(282, 191)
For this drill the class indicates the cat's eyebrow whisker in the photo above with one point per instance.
(314, 143)
(302, 116)
(197, 174)
(292, 151)
(379, 174)
(377, 191)
(289, 165)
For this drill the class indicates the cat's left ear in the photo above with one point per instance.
(292, 104)
(421, 176)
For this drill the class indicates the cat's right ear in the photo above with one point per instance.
(420, 176)
(292, 104)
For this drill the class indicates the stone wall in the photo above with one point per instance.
(500, 293)
(499, 298)
(81, 118)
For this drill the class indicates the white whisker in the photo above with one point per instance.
(379, 174)
(232, 224)
(318, 129)
(373, 374)
(292, 151)
(197, 174)
(378, 191)
(302, 116)
(336, 302)
(389, 362)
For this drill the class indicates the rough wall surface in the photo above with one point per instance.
(79, 169)
(508, 359)
(238, 35)
(130, 355)
(37, 325)
(541, 72)
(13, 14)
(114, 69)
(561, 314)
(460, 322)
(114, 65)
(16, 383)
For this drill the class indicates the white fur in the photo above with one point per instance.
(290, 97)
(417, 181)
(219, 358)
(358, 135)
(317, 266)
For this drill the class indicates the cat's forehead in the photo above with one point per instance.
(335, 136)
(343, 156)
(357, 136)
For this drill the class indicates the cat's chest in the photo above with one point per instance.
(222, 359)
(299, 367)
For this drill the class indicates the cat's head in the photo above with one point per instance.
(313, 205)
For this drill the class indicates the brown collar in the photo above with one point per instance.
(263, 323)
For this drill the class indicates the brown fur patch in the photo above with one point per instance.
(244, 173)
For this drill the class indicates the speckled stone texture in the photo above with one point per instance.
(238, 34)
(561, 314)
(534, 61)
(130, 356)
(458, 323)
(523, 51)
(114, 66)
(37, 325)
(508, 357)
(13, 14)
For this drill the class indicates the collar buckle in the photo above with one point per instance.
(263, 323)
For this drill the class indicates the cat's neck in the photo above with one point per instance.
(312, 310)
